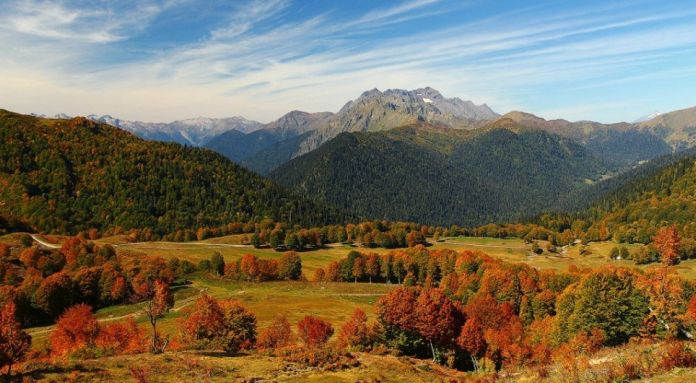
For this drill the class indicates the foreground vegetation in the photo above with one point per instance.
(458, 315)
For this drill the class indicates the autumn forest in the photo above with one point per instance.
(168, 214)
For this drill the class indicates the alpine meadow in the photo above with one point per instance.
(347, 191)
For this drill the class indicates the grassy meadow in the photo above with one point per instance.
(333, 302)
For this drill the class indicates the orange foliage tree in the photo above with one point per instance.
(14, 342)
(161, 302)
(122, 338)
(666, 241)
(314, 331)
(355, 332)
(204, 323)
(224, 324)
(76, 329)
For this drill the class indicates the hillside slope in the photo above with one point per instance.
(636, 210)
(678, 128)
(238, 146)
(632, 206)
(69, 175)
(617, 145)
(442, 176)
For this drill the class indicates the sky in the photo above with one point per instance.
(173, 59)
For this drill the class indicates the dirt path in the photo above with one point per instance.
(179, 305)
(43, 243)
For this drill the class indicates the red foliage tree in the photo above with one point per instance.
(691, 309)
(437, 319)
(4, 250)
(397, 308)
(14, 342)
(119, 290)
(471, 340)
(314, 331)
(666, 241)
(277, 335)
(205, 322)
(75, 329)
(355, 332)
(122, 338)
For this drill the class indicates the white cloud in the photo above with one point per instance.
(261, 63)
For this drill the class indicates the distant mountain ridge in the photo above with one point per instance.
(619, 144)
(192, 132)
(372, 111)
(677, 128)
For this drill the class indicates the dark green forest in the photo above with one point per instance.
(65, 176)
(443, 176)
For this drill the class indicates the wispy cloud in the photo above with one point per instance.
(261, 59)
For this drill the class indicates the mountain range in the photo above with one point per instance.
(192, 132)
(419, 156)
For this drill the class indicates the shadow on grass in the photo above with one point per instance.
(40, 370)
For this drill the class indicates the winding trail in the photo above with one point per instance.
(43, 243)
(179, 305)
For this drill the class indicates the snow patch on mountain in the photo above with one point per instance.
(648, 117)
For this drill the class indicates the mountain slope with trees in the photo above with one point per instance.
(618, 145)
(65, 176)
(635, 210)
(442, 176)
(238, 146)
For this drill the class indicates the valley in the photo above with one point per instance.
(404, 191)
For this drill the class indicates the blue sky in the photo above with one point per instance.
(174, 59)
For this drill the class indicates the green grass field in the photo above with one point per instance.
(508, 249)
(333, 302)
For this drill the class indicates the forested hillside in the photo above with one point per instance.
(442, 176)
(64, 176)
(617, 145)
(646, 200)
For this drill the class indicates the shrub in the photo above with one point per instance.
(355, 332)
(277, 335)
(239, 332)
(676, 354)
(313, 331)
(327, 358)
(122, 338)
